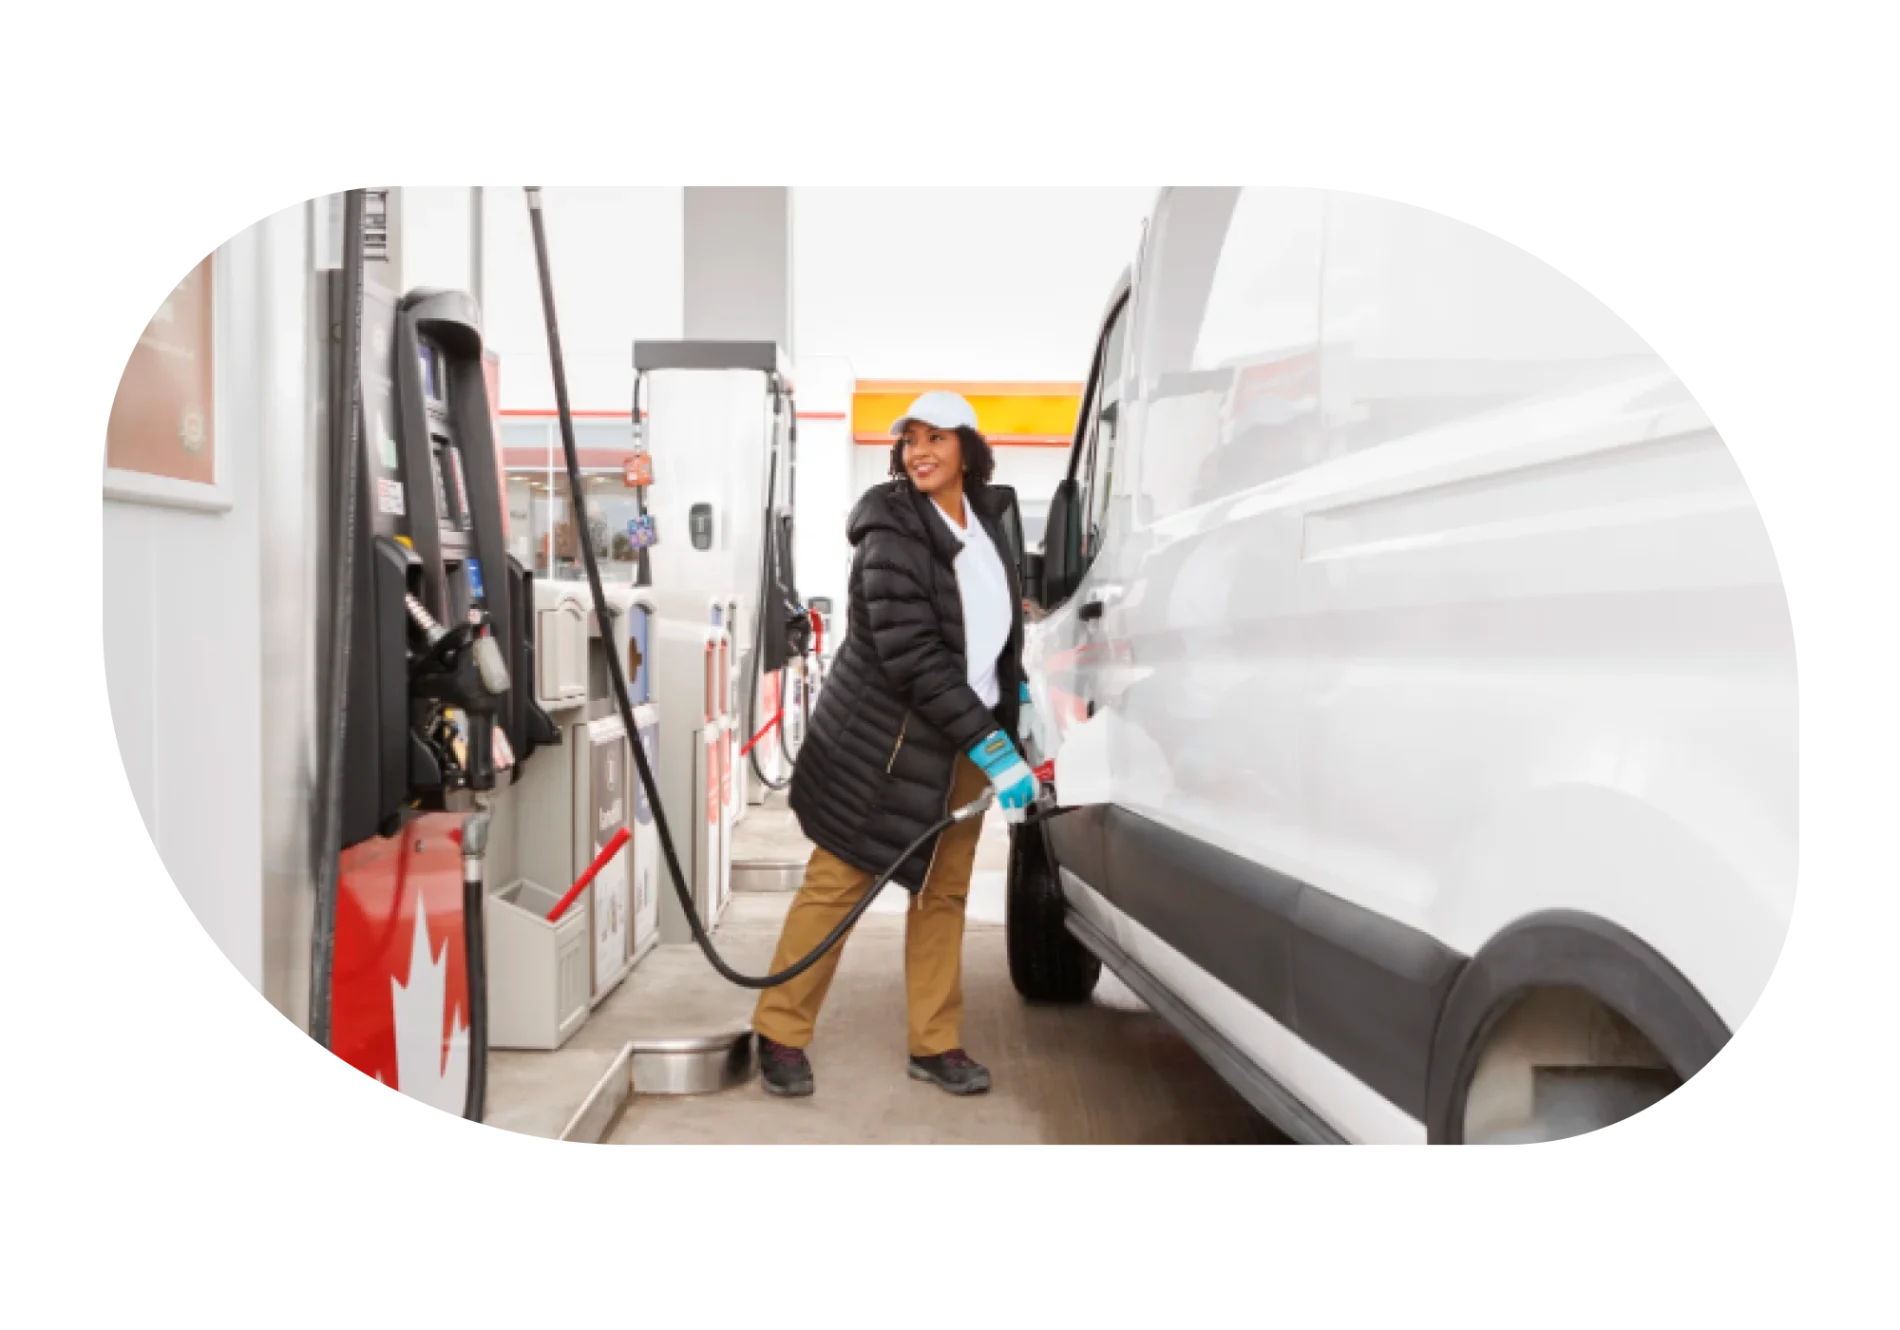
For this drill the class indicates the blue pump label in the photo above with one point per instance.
(475, 580)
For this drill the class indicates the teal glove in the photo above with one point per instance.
(1014, 782)
(1023, 695)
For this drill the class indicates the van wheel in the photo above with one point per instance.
(1046, 963)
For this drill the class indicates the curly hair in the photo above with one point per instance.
(979, 461)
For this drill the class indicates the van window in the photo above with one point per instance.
(1430, 321)
(1092, 459)
(1105, 431)
(1035, 521)
(1229, 344)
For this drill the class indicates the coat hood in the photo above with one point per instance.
(894, 505)
(888, 505)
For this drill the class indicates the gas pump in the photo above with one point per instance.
(782, 632)
(719, 425)
(568, 814)
(692, 685)
(647, 889)
(733, 784)
(439, 630)
(632, 642)
(623, 903)
(722, 727)
(813, 663)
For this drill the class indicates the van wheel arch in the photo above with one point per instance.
(1563, 949)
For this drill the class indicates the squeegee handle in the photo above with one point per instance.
(607, 852)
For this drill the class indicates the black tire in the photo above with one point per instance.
(1046, 963)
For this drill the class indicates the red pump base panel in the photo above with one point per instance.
(399, 990)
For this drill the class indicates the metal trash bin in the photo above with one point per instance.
(540, 978)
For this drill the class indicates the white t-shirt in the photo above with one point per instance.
(983, 586)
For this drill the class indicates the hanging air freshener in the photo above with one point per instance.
(641, 534)
(637, 470)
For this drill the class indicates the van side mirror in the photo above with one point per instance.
(1062, 546)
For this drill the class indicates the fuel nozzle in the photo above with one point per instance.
(975, 808)
(462, 667)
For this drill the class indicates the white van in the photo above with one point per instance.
(1421, 664)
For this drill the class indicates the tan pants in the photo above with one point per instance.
(933, 937)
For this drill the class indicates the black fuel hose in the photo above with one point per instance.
(345, 481)
(618, 681)
(767, 565)
(475, 957)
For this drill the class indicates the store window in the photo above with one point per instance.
(540, 507)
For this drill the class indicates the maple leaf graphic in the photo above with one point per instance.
(424, 1070)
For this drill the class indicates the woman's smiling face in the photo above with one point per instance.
(933, 458)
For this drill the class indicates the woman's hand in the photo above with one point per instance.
(1014, 782)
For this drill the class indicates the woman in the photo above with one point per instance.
(916, 717)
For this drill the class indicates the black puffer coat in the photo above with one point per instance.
(897, 709)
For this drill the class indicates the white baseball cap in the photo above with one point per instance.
(940, 410)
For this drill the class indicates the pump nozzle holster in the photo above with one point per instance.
(456, 671)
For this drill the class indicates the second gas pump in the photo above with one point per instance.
(567, 815)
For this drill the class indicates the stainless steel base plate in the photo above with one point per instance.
(756, 875)
(698, 1064)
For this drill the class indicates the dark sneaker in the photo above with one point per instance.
(954, 1071)
(787, 1071)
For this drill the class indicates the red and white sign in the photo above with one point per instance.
(162, 414)
(399, 982)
